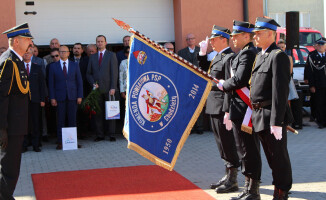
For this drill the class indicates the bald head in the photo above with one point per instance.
(54, 43)
(191, 40)
(169, 46)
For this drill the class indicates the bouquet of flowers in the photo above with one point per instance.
(90, 104)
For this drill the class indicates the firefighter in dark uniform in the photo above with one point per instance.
(219, 41)
(315, 72)
(14, 99)
(237, 78)
(271, 113)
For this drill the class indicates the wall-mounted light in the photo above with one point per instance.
(30, 13)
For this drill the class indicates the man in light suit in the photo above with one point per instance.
(102, 73)
(65, 90)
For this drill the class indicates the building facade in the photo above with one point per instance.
(160, 20)
(311, 13)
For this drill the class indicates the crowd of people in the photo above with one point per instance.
(48, 92)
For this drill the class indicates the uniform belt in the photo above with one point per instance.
(259, 105)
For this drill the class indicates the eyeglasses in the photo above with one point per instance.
(55, 56)
(63, 51)
(191, 38)
(171, 49)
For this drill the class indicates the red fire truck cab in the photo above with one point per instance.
(307, 36)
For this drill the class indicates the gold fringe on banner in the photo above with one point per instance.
(145, 153)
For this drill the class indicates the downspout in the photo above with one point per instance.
(245, 11)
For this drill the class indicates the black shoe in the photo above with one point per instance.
(45, 138)
(59, 147)
(24, 149)
(99, 139)
(112, 139)
(320, 125)
(231, 184)
(37, 149)
(227, 187)
(200, 132)
(219, 183)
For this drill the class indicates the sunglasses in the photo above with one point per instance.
(55, 56)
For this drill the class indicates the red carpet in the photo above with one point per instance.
(122, 183)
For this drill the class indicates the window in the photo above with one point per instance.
(279, 18)
(304, 19)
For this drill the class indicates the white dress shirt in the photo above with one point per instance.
(61, 63)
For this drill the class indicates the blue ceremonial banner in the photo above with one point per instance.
(164, 100)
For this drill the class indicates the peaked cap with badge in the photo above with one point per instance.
(242, 27)
(263, 23)
(219, 31)
(21, 30)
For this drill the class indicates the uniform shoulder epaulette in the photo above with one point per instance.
(246, 47)
(278, 51)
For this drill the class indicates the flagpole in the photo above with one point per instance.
(128, 28)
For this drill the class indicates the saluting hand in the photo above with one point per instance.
(3, 139)
(203, 47)
(79, 100)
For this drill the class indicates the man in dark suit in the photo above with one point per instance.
(102, 73)
(120, 54)
(37, 87)
(219, 41)
(14, 92)
(190, 54)
(238, 77)
(316, 76)
(39, 61)
(65, 90)
(82, 62)
(271, 113)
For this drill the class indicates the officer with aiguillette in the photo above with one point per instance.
(14, 94)
(315, 72)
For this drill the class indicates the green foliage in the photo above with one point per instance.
(90, 104)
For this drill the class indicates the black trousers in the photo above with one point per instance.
(249, 149)
(320, 100)
(34, 133)
(10, 166)
(225, 141)
(278, 158)
(104, 126)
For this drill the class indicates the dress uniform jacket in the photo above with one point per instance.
(270, 82)
(315, 70)
(14, 94)
(241, 67)
(216, 68)
(13, 104)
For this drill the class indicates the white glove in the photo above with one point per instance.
(227, 122)
(220, 84)
(277, 131)
(203, 47)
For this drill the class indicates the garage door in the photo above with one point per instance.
(74, 21)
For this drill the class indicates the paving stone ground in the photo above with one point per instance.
(199, 162)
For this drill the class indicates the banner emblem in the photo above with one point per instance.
(154, 101)
(140, 56)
